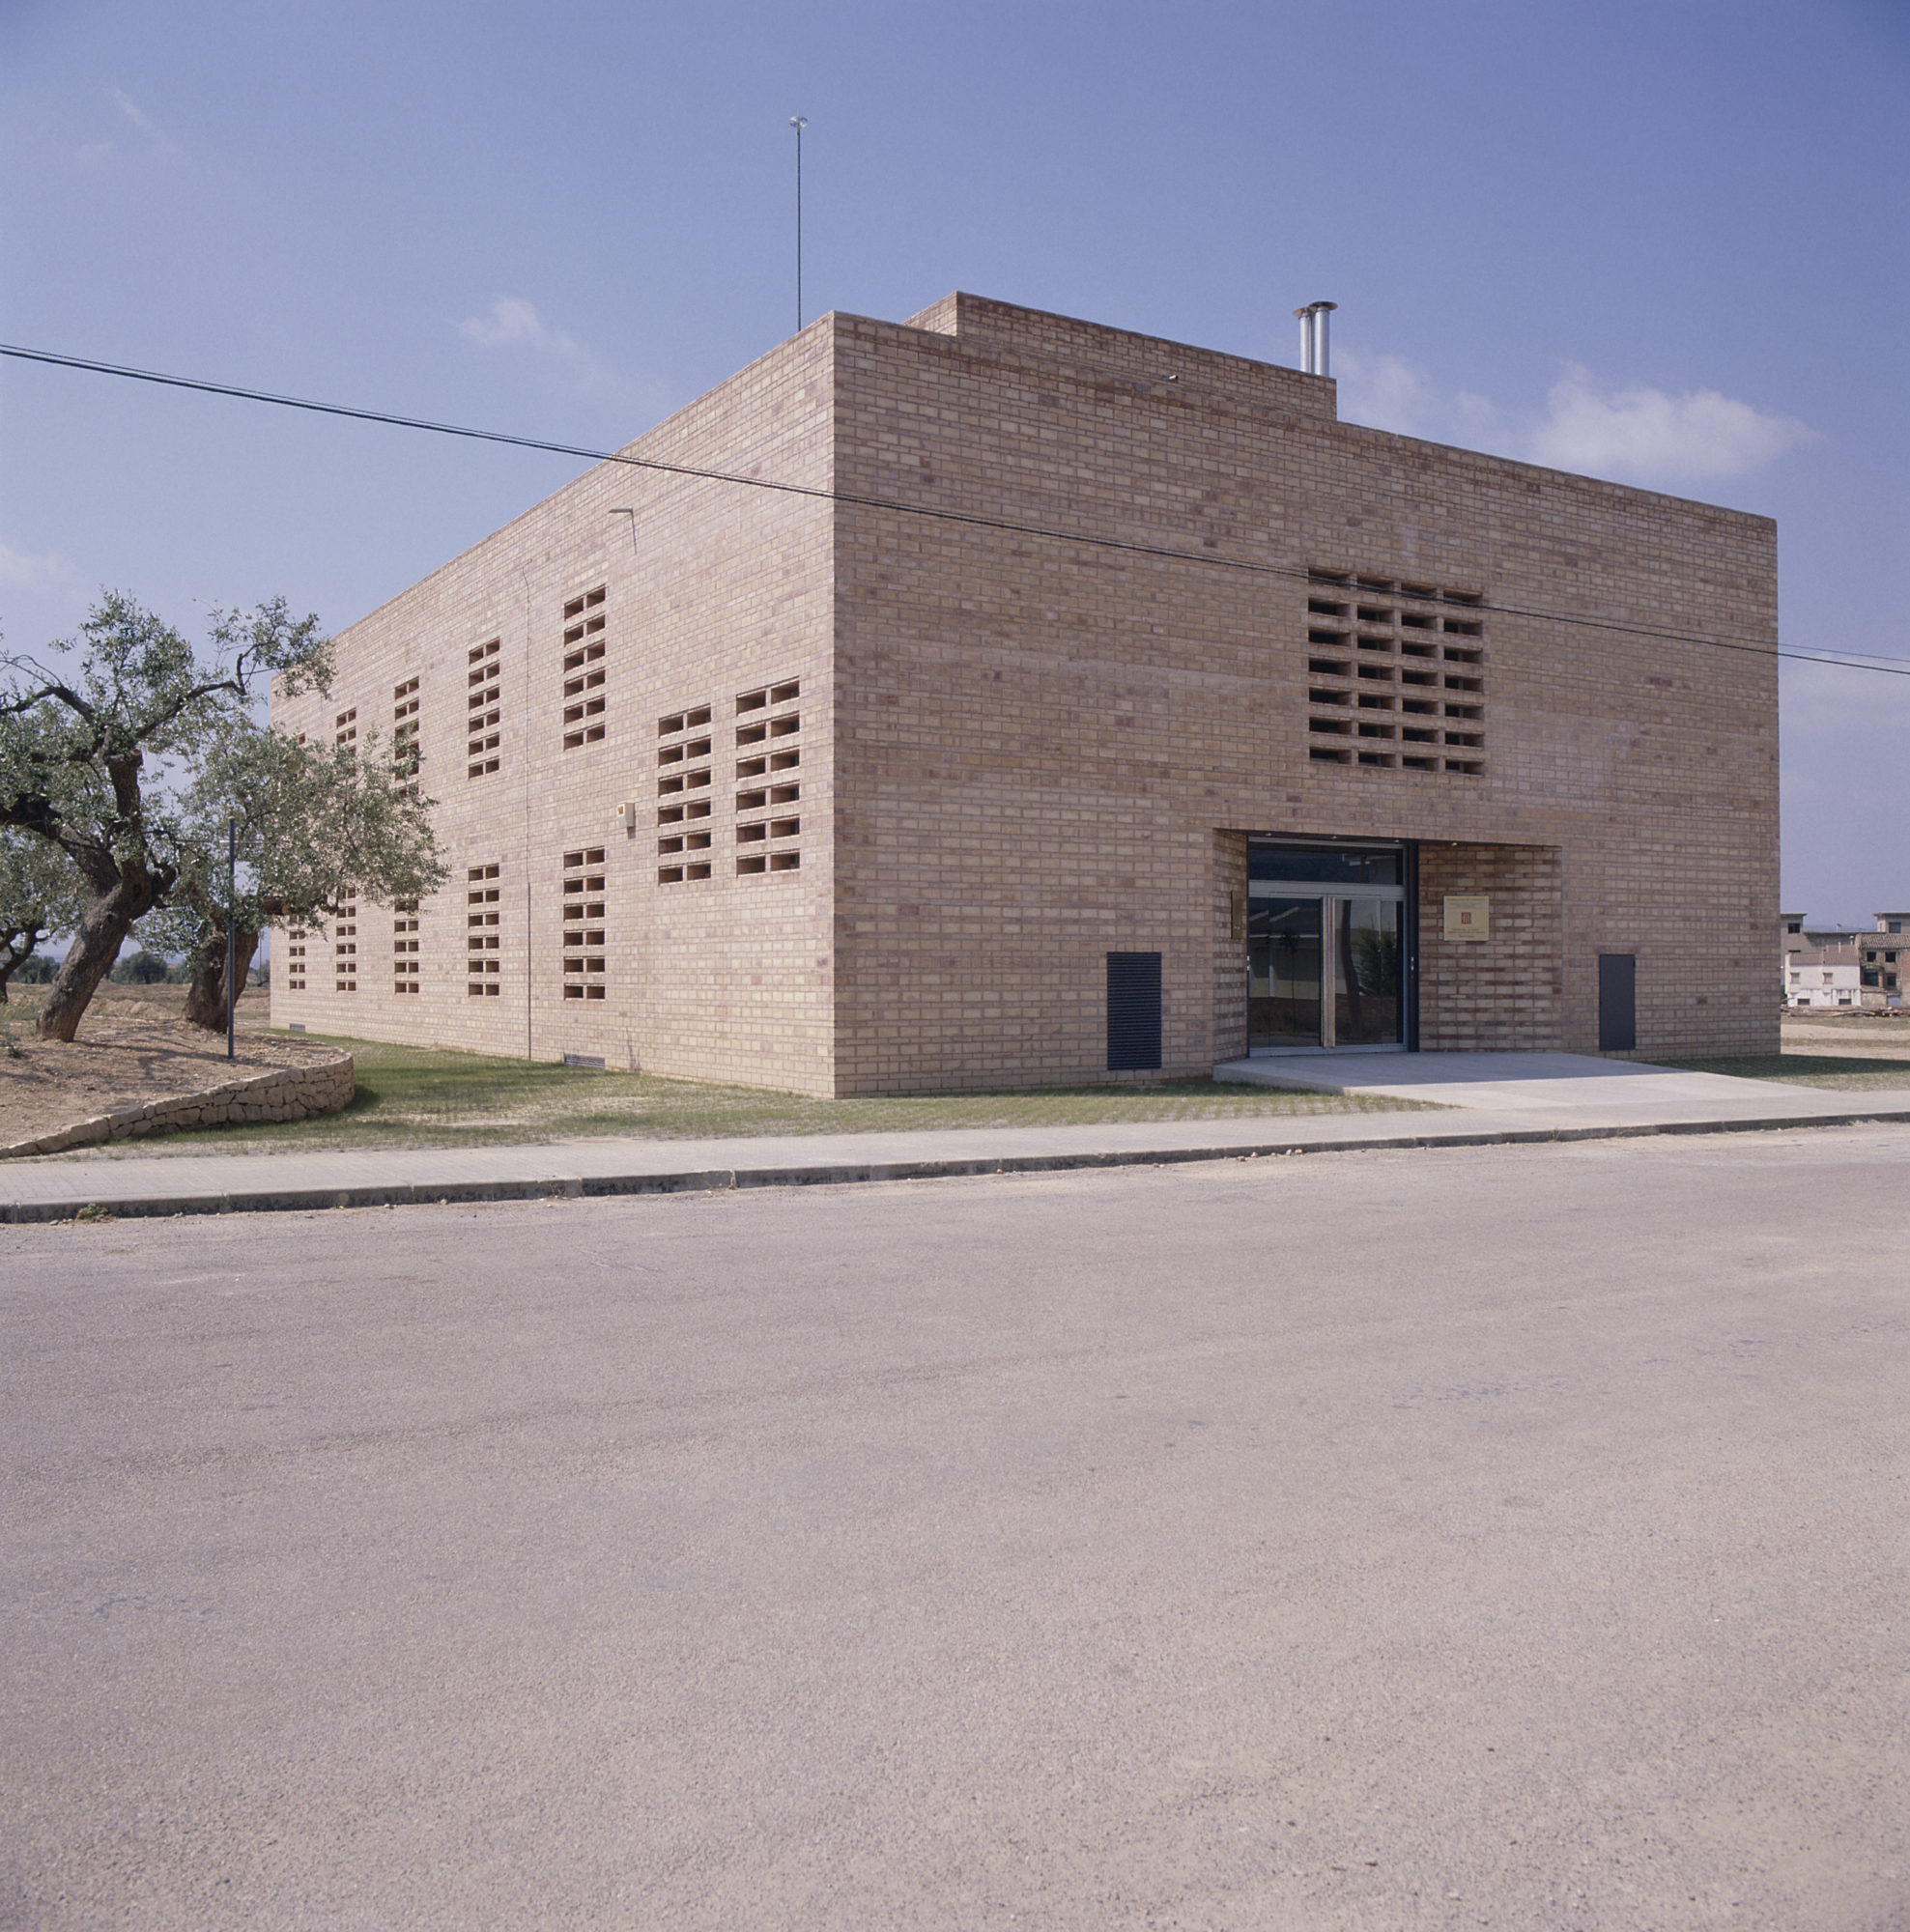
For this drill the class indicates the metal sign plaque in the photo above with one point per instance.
(1467, 917)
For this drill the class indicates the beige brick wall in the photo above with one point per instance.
(1506, 993)
(712, 591)
(1020, 753)
(1044, 736)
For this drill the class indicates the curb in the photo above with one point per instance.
(724, 1179)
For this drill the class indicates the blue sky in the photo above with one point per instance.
(1665, 243)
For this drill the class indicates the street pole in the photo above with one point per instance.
(231, 936)
(799, 122)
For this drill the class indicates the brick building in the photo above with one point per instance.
(1078, 706)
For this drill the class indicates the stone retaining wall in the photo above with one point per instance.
(282, 1093)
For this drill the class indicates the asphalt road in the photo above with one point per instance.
(1508, 1536)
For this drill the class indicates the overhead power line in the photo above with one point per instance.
(1894, 667)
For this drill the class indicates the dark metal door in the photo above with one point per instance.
(1617, 1002)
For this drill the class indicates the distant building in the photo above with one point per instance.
(1883, 960)
(1828, 977)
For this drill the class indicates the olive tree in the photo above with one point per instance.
(313, 827)
(132, 765)
(39, 896)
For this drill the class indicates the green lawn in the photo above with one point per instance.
(1807, 1069)
(411, 1096)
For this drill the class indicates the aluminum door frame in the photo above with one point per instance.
(1333, 899)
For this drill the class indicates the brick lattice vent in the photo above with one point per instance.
(1396, 674)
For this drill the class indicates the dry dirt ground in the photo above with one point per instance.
(133, 1046)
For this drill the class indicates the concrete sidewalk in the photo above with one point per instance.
(1558, 1090)
(1492, 1098)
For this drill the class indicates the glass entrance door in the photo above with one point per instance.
(1366, 975)
(1326, 958)
(1284, 953)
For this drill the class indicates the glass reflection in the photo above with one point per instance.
(1284, 960)
(1366, 975)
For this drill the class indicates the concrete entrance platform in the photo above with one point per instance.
(1563, 1089)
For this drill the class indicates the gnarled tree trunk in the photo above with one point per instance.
(102, 932)
(204, 998)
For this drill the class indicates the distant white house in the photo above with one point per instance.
(1831, 976)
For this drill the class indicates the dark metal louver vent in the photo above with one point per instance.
(1133, 1010)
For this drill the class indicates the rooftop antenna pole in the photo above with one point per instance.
(799, 122)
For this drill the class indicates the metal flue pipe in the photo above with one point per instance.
(1313, 337)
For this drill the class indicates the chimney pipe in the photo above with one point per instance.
(1313, 339)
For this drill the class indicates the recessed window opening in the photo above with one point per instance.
(404, 973)
(1321, 608)
(583, 669)
(483, 708)
(1326, 666)
(483, 910)
(405, 754)
(688, 759)
(583, 956)
(752, 796)
(345, 947)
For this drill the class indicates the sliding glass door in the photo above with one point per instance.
(1326, 958)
